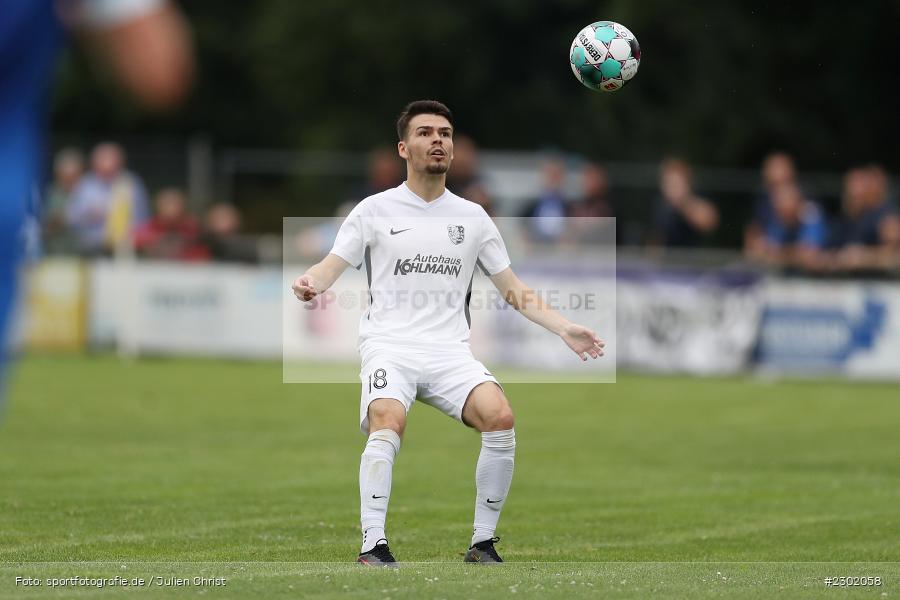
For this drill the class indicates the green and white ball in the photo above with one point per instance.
(605, 56)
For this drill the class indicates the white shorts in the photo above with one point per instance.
(441, 376)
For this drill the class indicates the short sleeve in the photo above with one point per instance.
(351, 240)
(492, 255)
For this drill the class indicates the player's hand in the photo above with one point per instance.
(583, 341)
(304, 288)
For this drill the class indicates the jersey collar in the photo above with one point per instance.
(421, 201)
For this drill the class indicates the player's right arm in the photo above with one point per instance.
(348, 250)
(319, 277)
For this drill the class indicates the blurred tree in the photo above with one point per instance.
(720, 82)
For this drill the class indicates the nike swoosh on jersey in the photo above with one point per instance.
(399, 230)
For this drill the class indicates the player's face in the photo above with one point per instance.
(428, 147)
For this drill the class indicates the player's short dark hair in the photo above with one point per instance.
(420, 107)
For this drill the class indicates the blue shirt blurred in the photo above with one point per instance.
(546, 217)
(864, 230)
(809, 230)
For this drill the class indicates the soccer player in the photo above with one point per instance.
(419, 240)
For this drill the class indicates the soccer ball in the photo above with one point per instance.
(605, 56)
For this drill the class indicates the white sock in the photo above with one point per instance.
(493, 476)
(375, 468)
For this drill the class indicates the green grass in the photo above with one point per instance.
(650, 486)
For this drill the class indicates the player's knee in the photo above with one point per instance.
(504, 419)
(500, 419)
(389, 422)
(395, 425)
(387, 413)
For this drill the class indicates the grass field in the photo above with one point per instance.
(651, 486)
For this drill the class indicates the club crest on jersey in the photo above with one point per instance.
(457, 233)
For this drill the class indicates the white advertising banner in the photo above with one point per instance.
(694, 323)
(209, 310)
(250, 312)
(661, 321)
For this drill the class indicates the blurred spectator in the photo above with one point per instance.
(464, 178)
(592, 205)
(107, 203)
(594, 189)
(683, 218)
(868, 234)
(796, 231)
(385, 171)
(68, 166)
(317, 240)
(172, 234)
(777, 169)
(464, 169)
(546, 215)
(222, 235)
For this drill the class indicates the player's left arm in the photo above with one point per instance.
(580, 339)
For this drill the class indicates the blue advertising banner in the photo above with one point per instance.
(849, 328)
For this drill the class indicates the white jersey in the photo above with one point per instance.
(420, 258)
